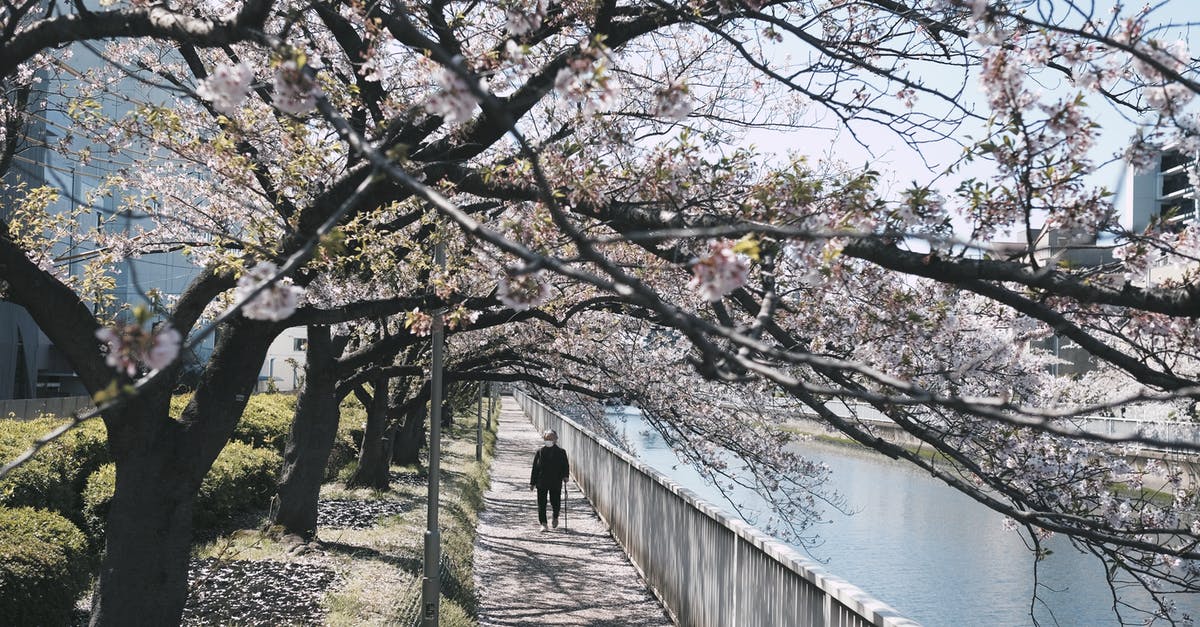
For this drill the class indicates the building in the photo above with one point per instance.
(1164, 196)
(1161, 193)
(1062, 249)
(283, 369)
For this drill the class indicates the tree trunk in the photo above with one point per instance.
(160, 464)
(143, 577)
(309, 441)
(410, 436)
(374, 459)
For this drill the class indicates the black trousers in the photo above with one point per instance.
(555, 494)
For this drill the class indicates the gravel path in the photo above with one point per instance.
(573, 576)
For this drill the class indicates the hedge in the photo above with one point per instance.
(266, 421)
(348, 439)
(54, 478)
(242, 478)
(44, 567)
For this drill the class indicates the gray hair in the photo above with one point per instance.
(550, 433)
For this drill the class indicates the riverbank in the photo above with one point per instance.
(1157, 489)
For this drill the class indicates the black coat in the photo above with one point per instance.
(550, 467)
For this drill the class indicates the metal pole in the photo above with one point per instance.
(431, 582)
(479, 425)
(491, 403)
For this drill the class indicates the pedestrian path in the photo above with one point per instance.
(573, 575)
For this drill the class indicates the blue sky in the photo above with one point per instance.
(901, 165)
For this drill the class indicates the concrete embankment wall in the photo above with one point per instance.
(707, 568)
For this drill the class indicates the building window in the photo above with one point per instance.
(1175, 183)
(299, 344)
(1173, 159)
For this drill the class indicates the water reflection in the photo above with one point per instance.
(928, 550)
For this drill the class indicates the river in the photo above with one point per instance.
(929, 551)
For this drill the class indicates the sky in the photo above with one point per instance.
(901, 165)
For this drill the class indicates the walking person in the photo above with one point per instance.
(550, 473)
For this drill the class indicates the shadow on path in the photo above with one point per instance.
(576, 575)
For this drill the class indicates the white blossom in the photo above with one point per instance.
(585, 81)
(130, 344)
(276, 302)
(164, 349)
(673, 102)
(523, 291)
(453, 100)
(227, 87)
(295, 92)
(521, 21)
(720, 271)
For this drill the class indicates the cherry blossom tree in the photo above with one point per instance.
(583, 164)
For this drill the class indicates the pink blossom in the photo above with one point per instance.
(454, 100)
(523, 291)
(418, 322)
(1168, 98)
(226, 88)
(673, 103)
(720, 271)
(521, 21)
(118, 353)
(276, 302)
(586, 81)
(131, 344)
(295, 92)
(164, 349)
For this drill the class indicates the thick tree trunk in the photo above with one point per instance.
(160, 465)
(309, 441)
(410, 436)
(374, 459)
(143, 578)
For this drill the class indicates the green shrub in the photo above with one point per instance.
(54, 478)
(242, 478)
(266, 421)
(178, 403)
(96, 495)
(44, 567)
(349, 436)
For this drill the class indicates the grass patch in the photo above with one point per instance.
(379, 568)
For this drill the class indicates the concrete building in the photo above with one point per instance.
(1065, 250)
(283, 369)
(1162, 195)
(30, 365)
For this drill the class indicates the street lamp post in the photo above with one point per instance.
(479, 424)
(431, 582)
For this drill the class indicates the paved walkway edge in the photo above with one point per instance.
(574, 575)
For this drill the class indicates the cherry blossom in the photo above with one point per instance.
(294, 91)
(276, 302)
(226, 88)
(130, 345)
(586, 81)
(523, 291)
(521, 21)
(720, 271)
(673, 102)
(453, 100)
(418, 322)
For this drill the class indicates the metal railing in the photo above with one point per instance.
(30, 408)
(706, 567)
